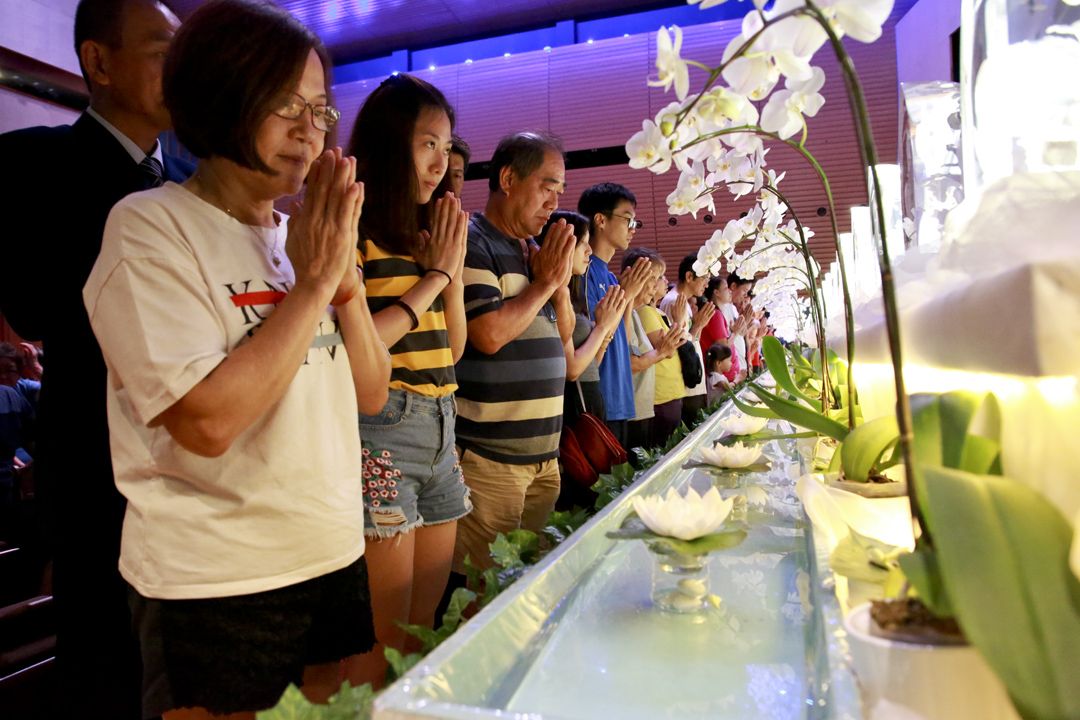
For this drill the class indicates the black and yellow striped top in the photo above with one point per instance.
(421, 361)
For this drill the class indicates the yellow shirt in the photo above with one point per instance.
(421, 361)
(669, 380)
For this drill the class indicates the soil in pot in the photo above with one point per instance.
(909, 620)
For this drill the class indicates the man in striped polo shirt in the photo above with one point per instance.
(512, 374)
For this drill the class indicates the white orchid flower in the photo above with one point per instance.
(685, 201)
(671, 68)
(740, 424)
(733, 456)
(649, 149)
(859, 19)
(784, 112)
(686, 517)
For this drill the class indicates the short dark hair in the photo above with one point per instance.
(458, 146)
(714, 283)
(581, 226)
(102, 21)
(523, 152)
(687, 266)
(382, 143)
(719, 352)
(632, 255)
(227, 67)
(734, 279)
(602, 198)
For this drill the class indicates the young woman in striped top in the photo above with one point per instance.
(411, 250)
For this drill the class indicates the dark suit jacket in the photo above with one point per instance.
(57, 189)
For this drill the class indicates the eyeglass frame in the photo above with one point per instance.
(632, 223)
(327, 111)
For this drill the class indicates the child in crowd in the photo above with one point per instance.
(718, 362)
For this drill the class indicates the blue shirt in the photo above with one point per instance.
(616, 380)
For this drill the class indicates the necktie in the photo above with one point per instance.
(152, 172)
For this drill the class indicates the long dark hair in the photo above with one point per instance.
(382, 144)
(580, 223)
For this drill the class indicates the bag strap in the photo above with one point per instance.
(581, 396)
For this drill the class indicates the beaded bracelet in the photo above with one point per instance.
(408, 311)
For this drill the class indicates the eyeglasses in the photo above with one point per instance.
(323, 117)
(631, 223)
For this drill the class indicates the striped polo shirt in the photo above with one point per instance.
(421, 361)
(510, 405)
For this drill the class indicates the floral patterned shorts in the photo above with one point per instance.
(412, 476)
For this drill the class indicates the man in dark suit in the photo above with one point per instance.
(57, 189)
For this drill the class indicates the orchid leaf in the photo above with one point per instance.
(800, 415)
(864, 446)
(776, 362)
(748, 409)
(922, 571)
(958, 430)
(1003, 552)
(764, 436)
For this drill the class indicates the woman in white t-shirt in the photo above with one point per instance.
(239, 348)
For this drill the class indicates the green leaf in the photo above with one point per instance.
(292, 706)
(923, 572)
(764, 436)
(752, 468)
(800, 415)
(957, 429)
(400, 664)
(429, 638)
(516, 548)
(776, 362)
(351, 703)
(1003, 553)
(460, 599)
(634, 529)
(864, 446)
(747, 409)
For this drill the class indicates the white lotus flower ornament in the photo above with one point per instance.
(686, 517)
(736, 455)
(741, 424)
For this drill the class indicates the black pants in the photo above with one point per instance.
(691, 405)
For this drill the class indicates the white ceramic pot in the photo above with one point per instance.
(935, 682)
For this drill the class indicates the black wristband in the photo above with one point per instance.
(409, 311)
(449, 279)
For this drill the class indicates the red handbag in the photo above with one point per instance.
(591, 440)
(575, 465)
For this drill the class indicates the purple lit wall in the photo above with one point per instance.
(594, 96)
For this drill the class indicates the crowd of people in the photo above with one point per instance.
(292, 428)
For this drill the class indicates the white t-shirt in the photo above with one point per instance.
(665, 305)
(644, 381)
(738, 342)
(178, 285)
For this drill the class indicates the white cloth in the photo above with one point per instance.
(665, 307)
(173, 293)
(738, 342)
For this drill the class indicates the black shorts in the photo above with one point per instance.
(239, 653)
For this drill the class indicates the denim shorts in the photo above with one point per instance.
(412, 476)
